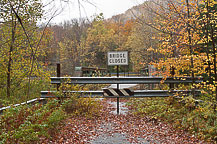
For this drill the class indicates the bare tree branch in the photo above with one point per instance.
(151, 25)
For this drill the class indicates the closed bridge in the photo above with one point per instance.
(124, 80)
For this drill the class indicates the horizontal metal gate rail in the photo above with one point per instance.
(137, 93)
(124, 80)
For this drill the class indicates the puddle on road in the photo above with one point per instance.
(122, 108)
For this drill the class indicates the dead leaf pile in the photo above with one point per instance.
(136, 129)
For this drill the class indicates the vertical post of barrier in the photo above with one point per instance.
(58, 75)
(117, 88)
(124, 70)
(172, 73)
(117, 58)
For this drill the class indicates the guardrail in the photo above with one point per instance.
(137, 93)
(124, 80)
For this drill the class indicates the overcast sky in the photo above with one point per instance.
(107, 7)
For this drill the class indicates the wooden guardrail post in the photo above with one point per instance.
(172, 73)
(58, 85)
(58, 75)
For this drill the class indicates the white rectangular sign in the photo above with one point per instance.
(118, 58)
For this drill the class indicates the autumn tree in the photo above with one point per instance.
(73, 32)
(141, 42)
(208, 17)
(20, 45)
(187, 35)
(173, 24)
(98, 41)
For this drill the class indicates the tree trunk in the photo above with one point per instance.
(191, 49)
(13, 27)
(214, 58)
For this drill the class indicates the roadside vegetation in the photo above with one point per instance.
(31, 124)
(198, 119)
(187, 33)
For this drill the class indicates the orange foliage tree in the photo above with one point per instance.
(187, 35)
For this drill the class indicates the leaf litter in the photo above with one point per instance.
(110, 128)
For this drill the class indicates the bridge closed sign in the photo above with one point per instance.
(118, 58)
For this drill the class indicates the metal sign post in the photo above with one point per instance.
(117, 88)
(117, 58)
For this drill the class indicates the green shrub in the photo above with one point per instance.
(55, 118)
(19, 94)
(25, 124)
(88, 107)
(76, 105)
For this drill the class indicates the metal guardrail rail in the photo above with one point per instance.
(137, 93)
(123, 80)
(23, 103)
